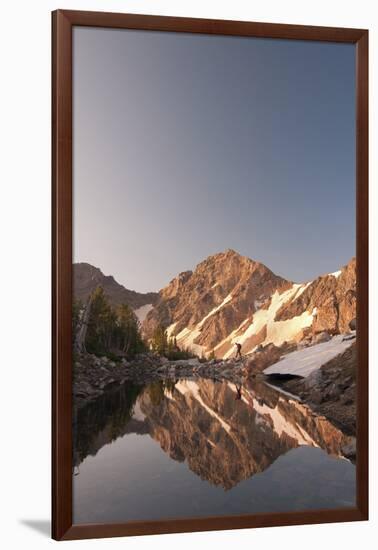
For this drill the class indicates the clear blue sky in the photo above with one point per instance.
(187, 145)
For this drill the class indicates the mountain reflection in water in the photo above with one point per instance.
(198, 447)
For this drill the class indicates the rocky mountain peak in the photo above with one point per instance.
(86, 278)
(222, 291)
(231, 298)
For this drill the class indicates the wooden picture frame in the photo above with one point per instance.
(62, 24)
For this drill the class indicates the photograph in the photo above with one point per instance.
(187, 221)
(214, 275)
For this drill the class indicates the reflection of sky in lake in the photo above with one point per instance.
(133, 479)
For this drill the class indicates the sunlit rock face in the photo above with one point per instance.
(228, 286)
(230, 298)
(333, 296)
(227, 434)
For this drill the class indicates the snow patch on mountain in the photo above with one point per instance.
(214, 310)
(302, 288)
(142, 312)
(170, 329)
(307, 360)
(186, 337)
(232, 335)
(336, 274)
(277, 332)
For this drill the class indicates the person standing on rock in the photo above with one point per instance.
(238, 351)
(238, 395)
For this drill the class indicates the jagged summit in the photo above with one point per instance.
(228, 254)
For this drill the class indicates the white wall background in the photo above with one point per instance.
(25, 270)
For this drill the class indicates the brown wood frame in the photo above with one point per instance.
(62, 23)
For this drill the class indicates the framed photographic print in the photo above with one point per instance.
(210, 274)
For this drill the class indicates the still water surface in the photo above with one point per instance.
(198, 448)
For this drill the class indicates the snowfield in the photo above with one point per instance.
(277, 331)
(307, 360)
(186, 337)
(142, 312)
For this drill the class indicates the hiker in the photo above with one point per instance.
(238, 392)
(238, 351)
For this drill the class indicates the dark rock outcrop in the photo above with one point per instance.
(86, 278)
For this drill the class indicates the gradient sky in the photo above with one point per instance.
(186, 145)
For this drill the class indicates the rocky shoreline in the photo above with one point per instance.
(95, 375)
(331, 390)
